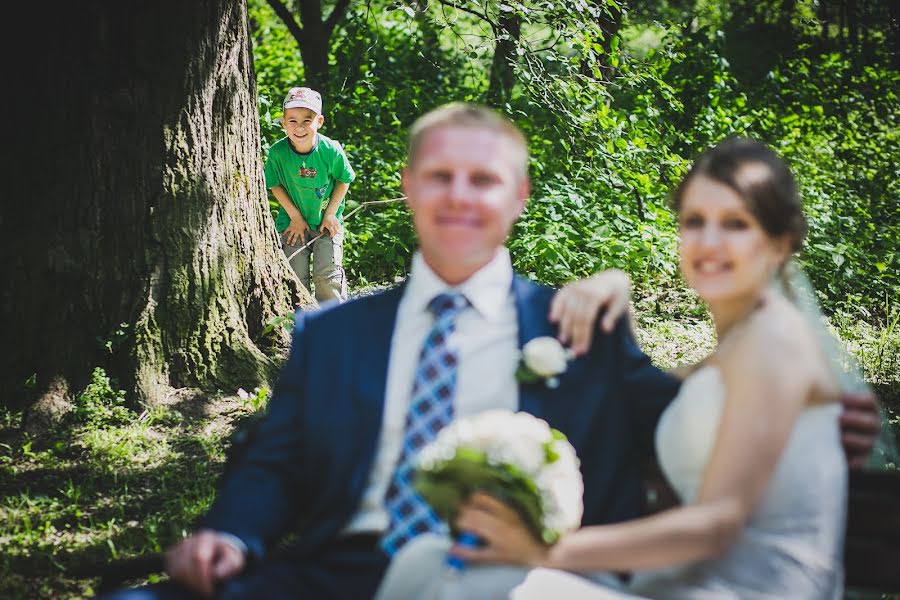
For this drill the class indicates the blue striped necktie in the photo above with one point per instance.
(430, 410)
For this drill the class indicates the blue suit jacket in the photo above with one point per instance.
(310, 461)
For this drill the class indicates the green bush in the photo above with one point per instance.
(605, 157)
(100, 404)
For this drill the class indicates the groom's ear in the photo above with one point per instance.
(404, 184)
(524, 192)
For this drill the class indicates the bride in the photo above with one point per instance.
(751, 444)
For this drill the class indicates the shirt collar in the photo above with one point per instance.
(487, 289)
(311, 150)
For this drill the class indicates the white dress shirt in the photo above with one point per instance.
(487, 340)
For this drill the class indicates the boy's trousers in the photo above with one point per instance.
(328, 279)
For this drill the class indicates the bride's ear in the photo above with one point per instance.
(783, 249)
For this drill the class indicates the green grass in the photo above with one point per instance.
(114, 483)
(96, 490)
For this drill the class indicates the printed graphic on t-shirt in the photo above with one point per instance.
(306, 173)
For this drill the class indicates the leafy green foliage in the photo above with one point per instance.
(368, 111)
(115, 338)
(285, 322)
(100, 403)
(256, 400)
(604, 158)
(840, 130)
(380, 244)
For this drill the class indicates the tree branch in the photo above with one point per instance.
(471, 11)
(551, 46)
(284, 13)
(339, 10)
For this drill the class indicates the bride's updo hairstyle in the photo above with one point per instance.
(762, 180)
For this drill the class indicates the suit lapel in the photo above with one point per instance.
(531, 308)
(372, 363)
(532, 305)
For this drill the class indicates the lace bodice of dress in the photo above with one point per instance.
(792, 546)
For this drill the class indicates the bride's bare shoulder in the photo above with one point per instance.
(776, 329)
(778, 345)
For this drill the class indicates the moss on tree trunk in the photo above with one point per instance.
(139, 239)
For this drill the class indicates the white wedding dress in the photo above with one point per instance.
(792, 546)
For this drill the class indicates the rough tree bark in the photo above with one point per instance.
(609, 21)
(503, 75)
(852, 23)
(139, 238)
(824, 20)
(786, 14)
(894, 32)
(842, 20)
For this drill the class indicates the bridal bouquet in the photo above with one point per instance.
(513, 456)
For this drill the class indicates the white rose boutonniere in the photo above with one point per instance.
(543, 358)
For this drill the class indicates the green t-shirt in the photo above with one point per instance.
(308, 178)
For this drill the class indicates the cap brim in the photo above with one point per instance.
(299, 104)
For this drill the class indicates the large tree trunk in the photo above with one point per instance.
(503, 75)
(823, 19)
(786, 14)
(609, 20)
(852, 23)
(894, 32)
(314, 44)
(313, 36)
(140, 239)
(842, 20)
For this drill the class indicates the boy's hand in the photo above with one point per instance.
(331, 224)
(296, 231)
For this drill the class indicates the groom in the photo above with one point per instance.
(325, 460)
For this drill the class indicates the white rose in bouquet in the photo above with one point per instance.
(514, 456)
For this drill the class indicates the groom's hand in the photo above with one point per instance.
(860, 426)
(203, 560)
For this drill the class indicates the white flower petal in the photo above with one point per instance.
(518, 440)
(545, 356)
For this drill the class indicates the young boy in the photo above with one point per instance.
(309, 174)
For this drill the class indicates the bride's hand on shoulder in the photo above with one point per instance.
(507, 540)
(575, 308)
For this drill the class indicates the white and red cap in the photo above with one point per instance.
(303, 97)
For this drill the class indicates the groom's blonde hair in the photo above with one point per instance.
(471, 116)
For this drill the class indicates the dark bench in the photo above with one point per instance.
(872, 545)
(871, 550)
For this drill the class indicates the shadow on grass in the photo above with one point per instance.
(68, 511)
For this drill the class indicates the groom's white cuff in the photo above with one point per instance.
(233, 540)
